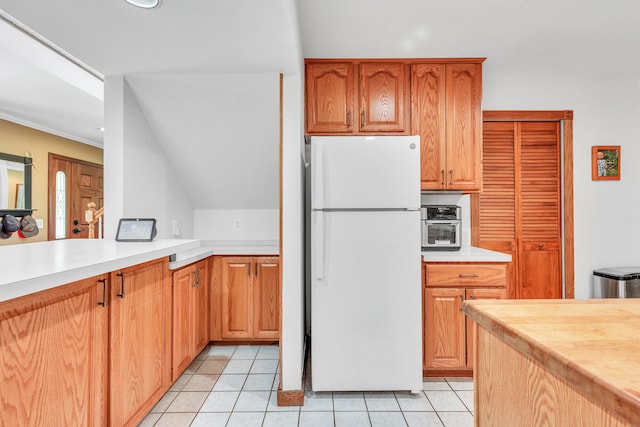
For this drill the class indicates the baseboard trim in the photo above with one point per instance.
(290, 397)
(294, 397)
(447, 372)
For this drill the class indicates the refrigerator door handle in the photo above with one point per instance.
(318, 176)
(318, 246)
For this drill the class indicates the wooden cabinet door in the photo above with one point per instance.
(494, 209)
(444, 343)
(236, 301)
(140, 339)
(201, 308)
(540, 271)
(540, 215)
(183, 282)
(384, 91)
(473, 294)
(446, 113)
(53, 365)
(329, 101)
(464, 125)
(428, 112)
(266, 298)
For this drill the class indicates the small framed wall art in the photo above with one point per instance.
(605, 162)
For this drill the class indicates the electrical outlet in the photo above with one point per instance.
(236, 224)
(176, 228)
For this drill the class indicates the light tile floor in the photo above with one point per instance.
(231, 386)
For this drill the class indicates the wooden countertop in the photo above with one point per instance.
(593, 345)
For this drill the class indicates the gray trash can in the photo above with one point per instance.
(616, 282)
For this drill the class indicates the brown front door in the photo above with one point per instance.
(73, 184)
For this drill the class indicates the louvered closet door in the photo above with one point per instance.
(519, 207)
(497, 201)
(540, 224)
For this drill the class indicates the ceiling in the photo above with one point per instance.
(221, 36)
(184, 41)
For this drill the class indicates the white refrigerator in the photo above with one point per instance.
(366, 294)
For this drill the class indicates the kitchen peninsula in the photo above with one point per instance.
(85, 330)
(556, 362)
(93, 332)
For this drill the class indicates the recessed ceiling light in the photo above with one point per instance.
(145, 4)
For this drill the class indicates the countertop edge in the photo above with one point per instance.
(614, 399)
(51, 280)
(224, 248)
(466, 254)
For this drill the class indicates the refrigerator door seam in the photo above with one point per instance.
(366, 210)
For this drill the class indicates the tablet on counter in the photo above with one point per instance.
(136, 230)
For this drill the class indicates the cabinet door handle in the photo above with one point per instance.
(473, 297)
(541, 246)
(249, 269)
(104, 292)
(350, 118)
(255, 269)
(121, 294)
(362, 119)
(468, 276)
(195, 279)
(451, 177)
(442, 180)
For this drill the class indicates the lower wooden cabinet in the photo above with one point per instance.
(53, 349)
(245, 300)
(190, 314)
(448, 342)
(140, 340)
(99, 351)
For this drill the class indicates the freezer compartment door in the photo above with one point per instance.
(366, 311)
(365, 172)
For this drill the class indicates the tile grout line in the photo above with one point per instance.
(298, 411)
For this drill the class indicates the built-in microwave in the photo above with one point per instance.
(441, 227)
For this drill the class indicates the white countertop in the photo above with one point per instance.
(225, 247)
(34, 267)
(466, 254)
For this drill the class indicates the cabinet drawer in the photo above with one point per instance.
(439, 275)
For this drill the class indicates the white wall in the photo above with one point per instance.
(221, 133)
(606, 111)
(139, 179)
(292, 235)
(237, 224)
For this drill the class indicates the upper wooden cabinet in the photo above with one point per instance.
(384, 95)
(329, 97)
(437, 99)
(446, 113)
(352, 97)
